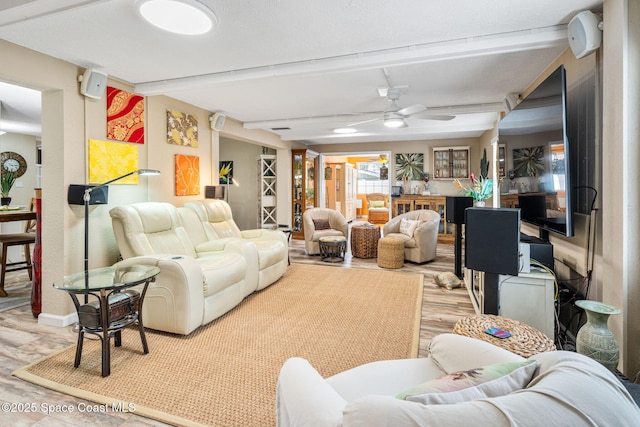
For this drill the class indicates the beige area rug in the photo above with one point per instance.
(225, 374)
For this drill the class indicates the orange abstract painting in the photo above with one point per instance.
(187, 175)
(125, 116)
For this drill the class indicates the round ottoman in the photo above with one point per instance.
(364, 241)
(391, 252)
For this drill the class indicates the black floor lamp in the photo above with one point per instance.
(102, 197)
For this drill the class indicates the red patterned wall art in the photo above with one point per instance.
(187, 175)
(125, 116)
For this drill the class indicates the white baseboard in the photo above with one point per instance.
(56, 320)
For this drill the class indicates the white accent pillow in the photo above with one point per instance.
(489, 381)
(408, 226)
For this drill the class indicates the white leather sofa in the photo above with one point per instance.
(337, 226)
(566, 389)
(272, 245)
(196, 284)
(420, 246)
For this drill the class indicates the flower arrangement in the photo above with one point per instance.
(480, 189)
(6, 182)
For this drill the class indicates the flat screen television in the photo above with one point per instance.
(535, 132)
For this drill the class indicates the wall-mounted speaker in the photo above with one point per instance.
(584, 32)
(75, 196)
(93, 84)
(214, 192)
(217, 121)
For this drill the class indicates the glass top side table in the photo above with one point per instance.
(109, 286)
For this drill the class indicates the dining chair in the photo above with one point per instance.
(27, 238)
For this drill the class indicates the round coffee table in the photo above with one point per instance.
(364, 241)
(524, 340)
(332, 248)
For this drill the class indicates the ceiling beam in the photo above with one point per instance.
(494, 44)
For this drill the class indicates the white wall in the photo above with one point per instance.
(242, 195)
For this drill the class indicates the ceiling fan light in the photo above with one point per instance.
(345, 130)
(394, 122)
(186, 17)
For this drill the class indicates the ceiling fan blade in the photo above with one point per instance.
(439, 117)
(412, 109)
(363, 121)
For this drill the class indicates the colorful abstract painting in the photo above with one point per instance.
(125, 116)
(187, 175)
(182, 129)
(108, 160)
(226, 172)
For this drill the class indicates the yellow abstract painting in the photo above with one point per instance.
(108, 160)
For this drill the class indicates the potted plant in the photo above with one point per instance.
(7, 180)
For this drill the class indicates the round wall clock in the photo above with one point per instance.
(13, 162)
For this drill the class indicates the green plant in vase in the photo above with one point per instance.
(7, 180)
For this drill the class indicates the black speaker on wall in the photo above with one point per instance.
(492, 240)
(456, 206)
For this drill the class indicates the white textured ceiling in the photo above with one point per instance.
(311, 66)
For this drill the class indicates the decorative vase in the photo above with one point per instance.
(5, 201)
(36, 283)
(480, 203)
(595, 339)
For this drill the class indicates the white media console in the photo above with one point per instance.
(527, 297)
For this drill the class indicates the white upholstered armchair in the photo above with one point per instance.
(321, 222)
(419, 230)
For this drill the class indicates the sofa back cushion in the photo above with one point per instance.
(150, 228)
(216, 217)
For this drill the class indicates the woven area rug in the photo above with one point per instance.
(225, 374)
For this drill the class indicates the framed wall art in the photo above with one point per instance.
(187, 175)
(108, 160)
(125, 116)
(182, 129)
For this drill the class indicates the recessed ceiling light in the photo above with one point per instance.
(188, 17)
(345, 130)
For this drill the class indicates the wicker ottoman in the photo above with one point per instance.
(364, 241)
(524, 341)
(391, 252)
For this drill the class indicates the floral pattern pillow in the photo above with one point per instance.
(489, 381)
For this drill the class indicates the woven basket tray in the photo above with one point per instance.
(524, 340)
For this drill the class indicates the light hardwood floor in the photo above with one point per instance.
(23, 341)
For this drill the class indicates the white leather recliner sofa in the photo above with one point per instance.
(422, 244)
(565, 388)
(272, 245)
(197, 283)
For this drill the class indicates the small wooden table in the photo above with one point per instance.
(102, 283)
(364, 241)
(524, 341)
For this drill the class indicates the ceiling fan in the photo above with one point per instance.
(394, 116)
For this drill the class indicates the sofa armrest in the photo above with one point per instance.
(427, 233)
(174, 302)
(304, 398)
(452, 353)
(392, 226)
(263, 234)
